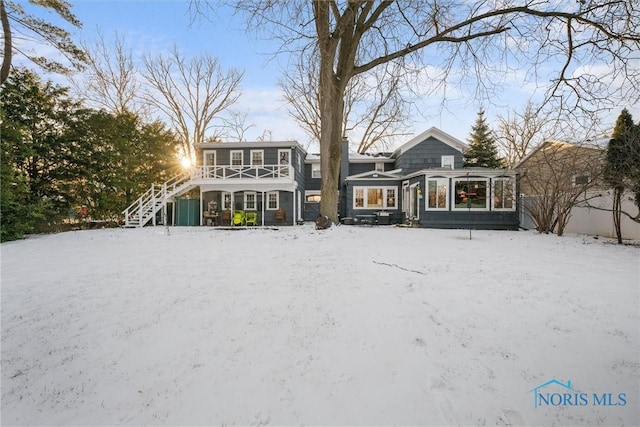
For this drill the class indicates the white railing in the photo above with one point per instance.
(284, 172)
(147, 205)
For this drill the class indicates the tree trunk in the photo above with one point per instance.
(331, 112)
(7, 49)
(617, 208)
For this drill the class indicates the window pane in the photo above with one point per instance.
(236, 158)
(272, 200)
(313, 198)
(432, 199)
(442, 196)
(359, 198)
(256, 158)
(471, 194)
(391, 197)
(374, 198)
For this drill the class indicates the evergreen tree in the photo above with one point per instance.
(622, 167)
(482, 151)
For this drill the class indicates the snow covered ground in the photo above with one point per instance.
(347, 326)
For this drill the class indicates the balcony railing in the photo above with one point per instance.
(284, 172)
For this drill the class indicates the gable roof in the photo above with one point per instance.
(436, 133)
(394, 174)
(558, 143)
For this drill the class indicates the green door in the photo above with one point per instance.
(187, 211)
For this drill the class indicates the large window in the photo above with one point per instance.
(375, 197)
(437, 190)
(249, 201)
(471, 194)
(257, 157)
(503, 192)
(236, 158)
(272, 200)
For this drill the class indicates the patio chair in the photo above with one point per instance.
(238, 218)
(281, 215)
(225, 218)
(251, 218)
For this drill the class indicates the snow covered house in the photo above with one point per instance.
(422, 183)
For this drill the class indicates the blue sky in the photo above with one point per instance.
(155, 26)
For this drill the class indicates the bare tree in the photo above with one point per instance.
(23, 28)
(557, 177)
(191, 93)
(479, 40)
(522, 131)
(375, 110)
(235, 126)
(111, 81)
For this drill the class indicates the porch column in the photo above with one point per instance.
(295, 212)
(263, 202)
(201, 209)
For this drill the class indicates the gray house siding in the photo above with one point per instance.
(427, 155)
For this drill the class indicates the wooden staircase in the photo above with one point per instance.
(143, 210)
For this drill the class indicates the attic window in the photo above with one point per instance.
(379, 166)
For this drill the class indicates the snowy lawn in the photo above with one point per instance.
(347, 326)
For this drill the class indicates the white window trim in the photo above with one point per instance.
(277, 200)
(366, 201)
(448, 157)
(426, 194)
(255, 200)
(379, 166)
(315, 167)
(215, 157)
(311, 193)
(230, 201)
(251, 153)
(513, 192)
(231, 153)
(288, 151)
(465, 208)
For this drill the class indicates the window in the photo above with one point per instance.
(257, 157)
(358, 195)
(272, 201)
(447, 162)
(315, 170)
(209, 158)
(226, 201)
(503, 191)
(471, 194)
(374, 197)
(236, 158)
(312, 198)
(437, 190)
(581, 180)
(250, 201)
(284, 162)
(379, 166)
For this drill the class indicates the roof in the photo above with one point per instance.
(435, 133)
(251, 144)
(595, 144)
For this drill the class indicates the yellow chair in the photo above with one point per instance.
(251, 218)
(239, 218)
